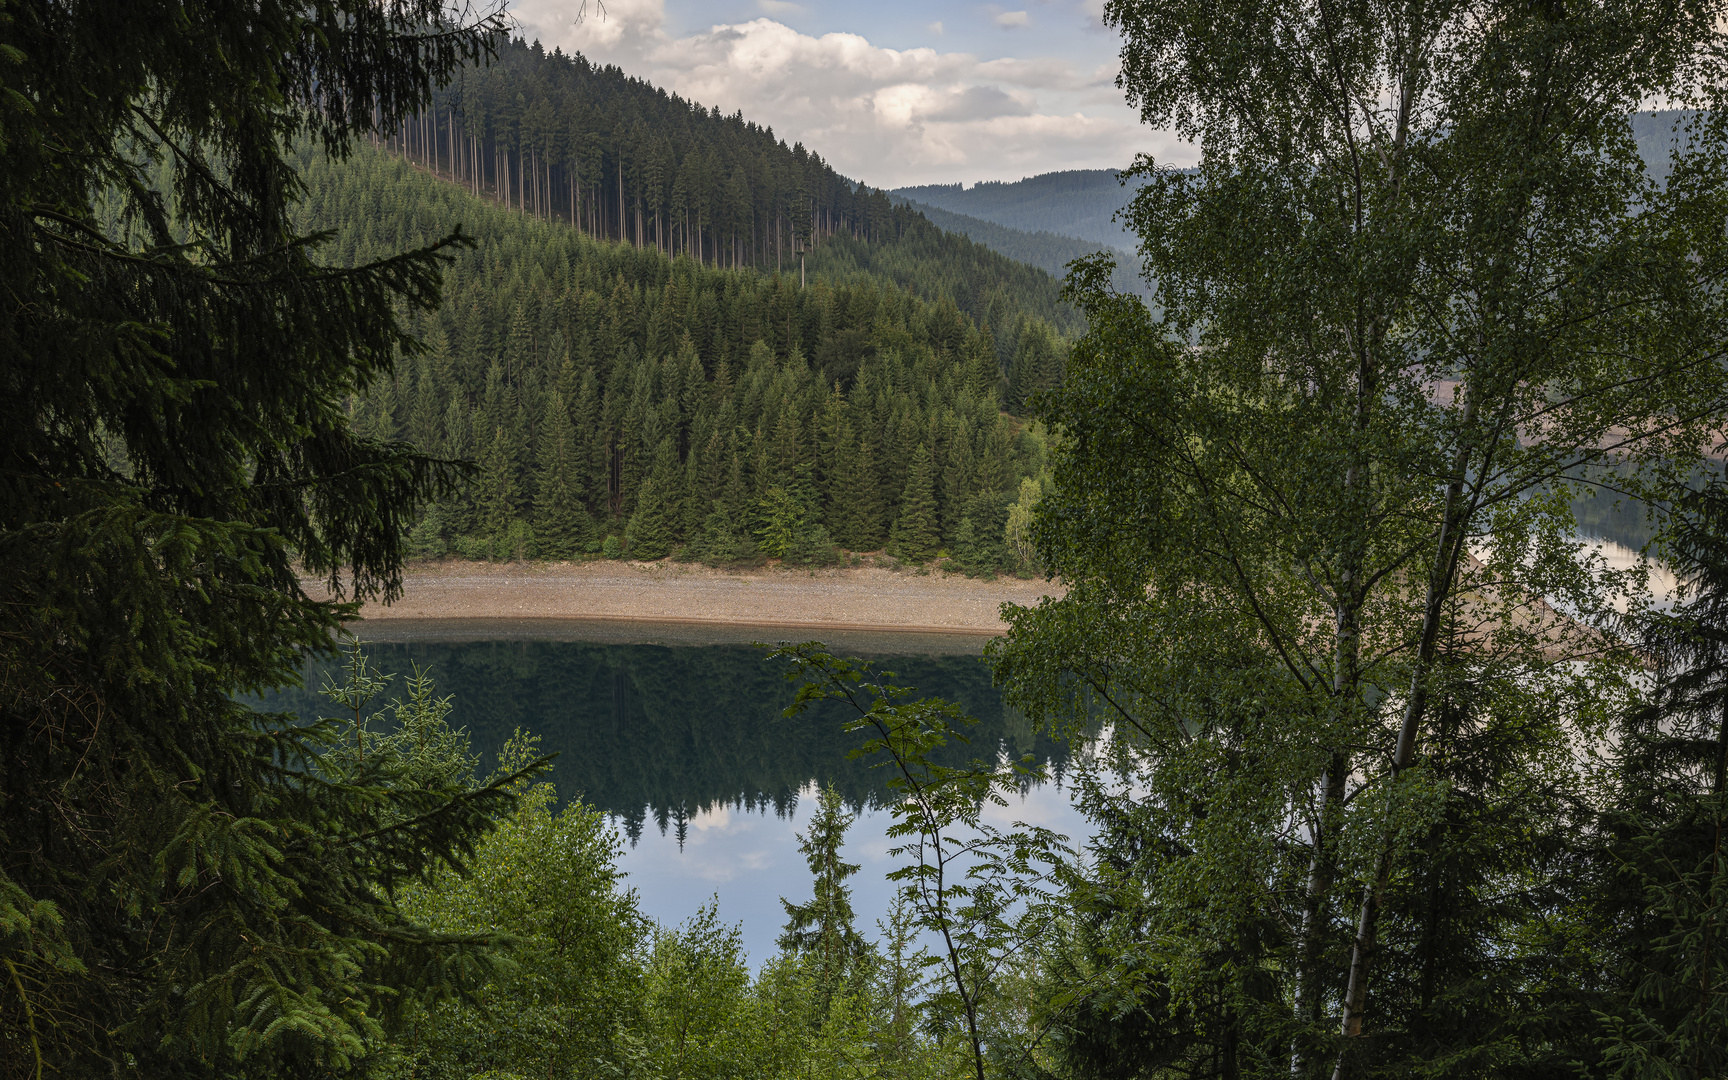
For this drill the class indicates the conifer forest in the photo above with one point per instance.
(1393, 756)
(624, 379)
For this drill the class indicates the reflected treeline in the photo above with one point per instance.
(664, 732)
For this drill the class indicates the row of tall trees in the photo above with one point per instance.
(558, 136)
(610, 390)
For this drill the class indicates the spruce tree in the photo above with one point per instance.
(519, 345)
(653, 525)
(822, 931)
(866, 497)
(915, 537)
(693, 507)
(1663, 875)
(183, 890)
(840, 482)
(1037, 365)
(830, 454)
(424, 414)
(560, 523)
(497, 486)
(591, 443)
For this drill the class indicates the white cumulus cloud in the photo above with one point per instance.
(1010, 19)
(888, 117)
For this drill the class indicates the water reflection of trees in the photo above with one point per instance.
(666, 732)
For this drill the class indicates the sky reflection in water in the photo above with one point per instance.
(675, 732)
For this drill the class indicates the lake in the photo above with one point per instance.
(674, 731)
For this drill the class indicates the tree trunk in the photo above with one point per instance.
(1448, 551)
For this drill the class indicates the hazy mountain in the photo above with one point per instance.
(1045, 250)
(1080, 203)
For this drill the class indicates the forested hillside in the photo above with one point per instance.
(560, 138)
(1046, 250)
(614, 391)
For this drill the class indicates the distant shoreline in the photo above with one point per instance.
(848, 599)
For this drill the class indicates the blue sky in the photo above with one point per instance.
(891, 93)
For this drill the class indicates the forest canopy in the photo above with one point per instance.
(611, 390)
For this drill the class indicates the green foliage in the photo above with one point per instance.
(789, 531)
(721, 540)
(594, 989)
(916, 535)
(184, 888)
(1017, 529)
(1314, 521)
(979, 541)
(975, 887)
(1037, 364)
(650, 532)
(699, 1005)
(782, 518)
(1662, 896)
(576, 370)
(573, 991)
(823, 930)
(564, 524)
(812, 546)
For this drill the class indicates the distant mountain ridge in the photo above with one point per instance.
(1048, 251)
(1078, 203)
(1082, 204)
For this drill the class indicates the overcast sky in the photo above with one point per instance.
(890, 92)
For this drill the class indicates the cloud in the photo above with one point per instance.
(1007, 20)
(780, 7)
(979, 103)
(935, 28)
(888, 117)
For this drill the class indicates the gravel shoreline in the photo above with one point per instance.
(848, 598)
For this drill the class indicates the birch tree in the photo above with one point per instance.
(1314, 516)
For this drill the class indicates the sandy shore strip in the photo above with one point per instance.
(865, 598)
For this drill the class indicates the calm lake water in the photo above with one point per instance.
(675, 732)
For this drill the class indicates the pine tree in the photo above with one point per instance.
(652, 526)
(497, 489)
(788, 446)
(915, 537)
(1036, 366)
(957, 475)
(822, 931)
(693, 507)
(424, 415)
(1663, 877)
(560, 522)
(183, 892)
(519, 345)
(591, 443)
(830, 454)
(839, 482)
(868, 506)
